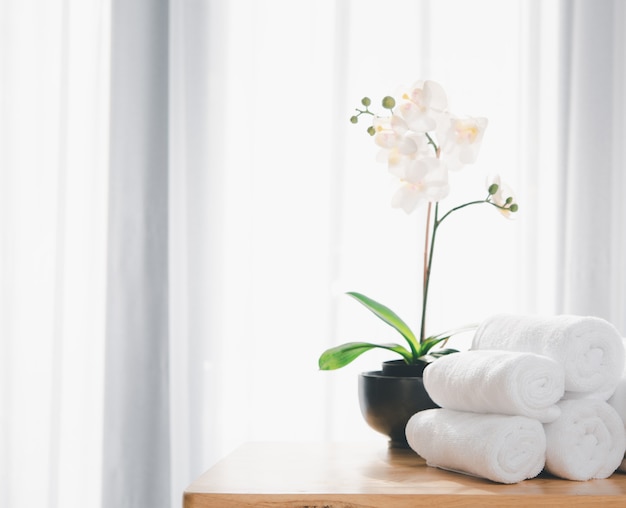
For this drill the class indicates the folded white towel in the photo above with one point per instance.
(589, 348)
(587, 441)
(502, 382)
(505, 449)
(618, 402)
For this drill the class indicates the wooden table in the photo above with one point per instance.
(370, 475)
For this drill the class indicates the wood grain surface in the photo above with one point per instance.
(314, 475)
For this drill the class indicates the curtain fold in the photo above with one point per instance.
(196, 91)
(54, 74)
(593, 218)
(136, 447)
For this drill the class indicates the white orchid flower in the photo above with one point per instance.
(391, 135)
(461, 141)
(424, 180)
(503, 197)
(400, 146)
(421, 106)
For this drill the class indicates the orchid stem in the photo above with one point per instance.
(431, 141)
(426, 267)
(428, 251)
(487, 200)
(463, 206)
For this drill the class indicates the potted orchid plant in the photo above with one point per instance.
(421, 142)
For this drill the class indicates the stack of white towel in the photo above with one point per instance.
(532, 393)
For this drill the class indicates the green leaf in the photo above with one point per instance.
(340, 356)
(442, 338)
(389, 317)
(455, 331)
(443, 352)
(430, 343)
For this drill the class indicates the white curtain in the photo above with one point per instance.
(183, 202)
(54, 89)
(593, 276)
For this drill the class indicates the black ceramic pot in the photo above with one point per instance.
(389, 397)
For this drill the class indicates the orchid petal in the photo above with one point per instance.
(416, 172)
(461, 141)
(381, 123)
(406, 198)
(434, 95)
(438, 192)
(397, 167)
(387, 139)
(416, 117)
(398, 125)
(407, 146)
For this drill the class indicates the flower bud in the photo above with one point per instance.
(389, 102)
(366, 101)
(354, 119)
(493, 188)
(508, 201)
(371, 130)
(514, 207)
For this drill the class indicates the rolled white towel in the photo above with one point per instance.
(589, 348)
(502, 382)
(618, 402)
(504, 449)
(587, 441)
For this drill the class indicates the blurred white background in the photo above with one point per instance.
(183, 203)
